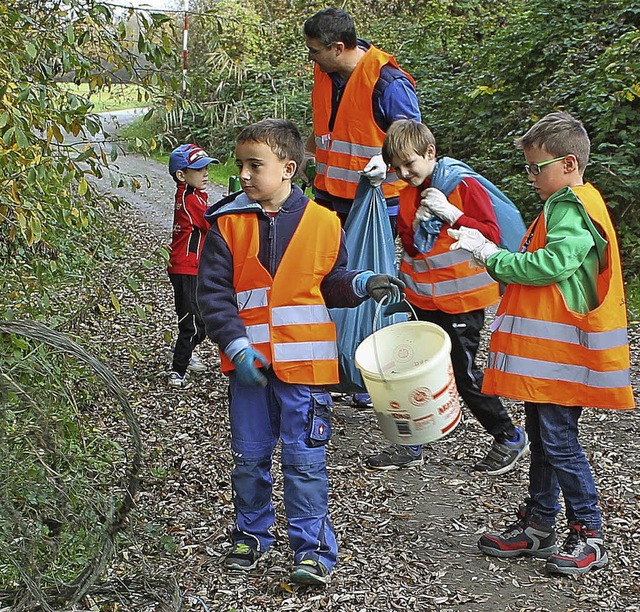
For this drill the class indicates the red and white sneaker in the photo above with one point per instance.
(524, 537)
(582, 551)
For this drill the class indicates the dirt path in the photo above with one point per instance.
(407, 539)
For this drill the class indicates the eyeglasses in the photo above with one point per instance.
(536, 169)
(311, 51)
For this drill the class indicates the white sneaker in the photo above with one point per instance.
(195, 365)
(176, 381)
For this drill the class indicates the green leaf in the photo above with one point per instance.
(115, 302)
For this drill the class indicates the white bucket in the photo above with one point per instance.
(407, 370)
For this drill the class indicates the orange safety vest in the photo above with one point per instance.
(442, 279)
(542, 352)
(285, 316)
(343, 152)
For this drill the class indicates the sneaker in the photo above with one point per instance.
(582, 550)
(311, 572)
(242, 557)
(394, 457)
(524, 537)
(503, 455)
(196, 365)
(361, 401)
(176, 381)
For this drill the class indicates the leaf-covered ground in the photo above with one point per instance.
(407, 539)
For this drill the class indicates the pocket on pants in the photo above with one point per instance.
(319, 425)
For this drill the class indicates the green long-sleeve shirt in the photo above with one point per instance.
(570, 257)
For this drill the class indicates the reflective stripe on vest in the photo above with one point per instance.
(300, 315)
(254, 298)
(542, 352)
(559, 372)
(562, 332)
(305, 351)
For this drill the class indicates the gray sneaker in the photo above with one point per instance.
(394, 457)
(196, 365)
(176, 381)
(503, 455)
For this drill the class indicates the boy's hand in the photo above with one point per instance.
(375, 171)
(434, 200)
(381, 286)
(470, 239)
(246, 371)
(422, 214)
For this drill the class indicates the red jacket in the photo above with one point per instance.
(189, 230)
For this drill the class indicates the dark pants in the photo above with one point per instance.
(191, 330)
(559, 465)
(464, 330)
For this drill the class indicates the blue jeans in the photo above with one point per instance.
(299, 416)
(558, 464)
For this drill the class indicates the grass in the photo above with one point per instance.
(117, 97)
(632, 290)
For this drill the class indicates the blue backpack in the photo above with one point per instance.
(448, 174)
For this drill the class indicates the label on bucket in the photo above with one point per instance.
(419, 414)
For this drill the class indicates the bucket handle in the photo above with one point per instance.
(377, 319)
(390, 310)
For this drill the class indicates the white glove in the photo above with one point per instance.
(472, 240)
(422, 214)
(375, 170)
(438, 204)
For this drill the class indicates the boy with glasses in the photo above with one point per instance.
(559, 343)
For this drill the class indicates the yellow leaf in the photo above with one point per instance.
(83, 186)
(115, 302)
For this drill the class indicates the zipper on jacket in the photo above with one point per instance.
(272, 245)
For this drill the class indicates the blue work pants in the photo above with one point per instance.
(299, 416)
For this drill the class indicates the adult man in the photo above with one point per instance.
(358, 92)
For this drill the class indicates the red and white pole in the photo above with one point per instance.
(185, 39)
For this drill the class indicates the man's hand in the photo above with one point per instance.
(434, 200)
(375, 171)
(246, 371)
(380, 286)
(472, 240)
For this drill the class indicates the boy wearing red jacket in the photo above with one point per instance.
(441, 286)
(189, 167)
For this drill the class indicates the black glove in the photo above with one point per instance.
(381, 286)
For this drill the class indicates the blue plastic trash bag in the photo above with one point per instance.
(371, 246)
(446, 177)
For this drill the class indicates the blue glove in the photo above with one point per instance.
(381, 286)
(246, 370)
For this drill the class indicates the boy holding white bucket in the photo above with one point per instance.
(442, 287)
(559, 343)
(273, 262)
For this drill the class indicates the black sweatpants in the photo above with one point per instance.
(191, 330)
(464, 330)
